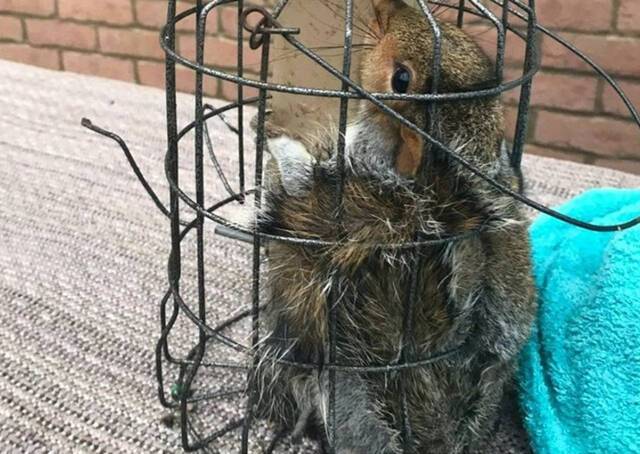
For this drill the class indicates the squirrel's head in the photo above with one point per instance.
(398, 57)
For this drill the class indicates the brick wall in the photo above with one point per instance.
(574, 115)
(116, 39)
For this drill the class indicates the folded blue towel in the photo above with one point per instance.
(580, 372)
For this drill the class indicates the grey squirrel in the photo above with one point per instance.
(477, 291)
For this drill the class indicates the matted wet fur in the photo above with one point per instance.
(476, 291)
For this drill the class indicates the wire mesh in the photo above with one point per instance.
(512, 20)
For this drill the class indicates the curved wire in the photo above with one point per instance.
(357, 92)
(283, 88)
(132, 162)
(454, 156)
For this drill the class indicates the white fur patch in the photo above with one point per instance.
(350, 136)
(294, 164)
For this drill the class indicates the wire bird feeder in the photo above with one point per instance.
(511, 19)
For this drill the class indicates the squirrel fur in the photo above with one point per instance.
(476, 291)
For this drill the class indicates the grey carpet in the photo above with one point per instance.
(83, 266)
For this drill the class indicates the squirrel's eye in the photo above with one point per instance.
(401, 80)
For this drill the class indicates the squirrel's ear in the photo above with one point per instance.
(294, 164)
(383, 10)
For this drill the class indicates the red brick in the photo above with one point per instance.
(35, 7)
(23, 53)
(98, 65)
(152, 13)
(109, 11)
(153, 74)
(613, 103)
(615, 54)
(186, 82)
(597, 135)
(57, 33)
(229, 21)
(629, 16)
(229, 91)
(220, 52)
(139, 43)
(486, 37)
(624, 165)
(561, 91)
(11, 28)
(570, 14)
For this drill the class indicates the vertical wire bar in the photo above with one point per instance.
(199, 186)
(408, 345)
(174, 205)
(407, 348)
(162, 347)
(344, 102)
(255, 307)
(415, 261)
(525, 92)
(460, 20)
(239, 38)
(172, 143)
(335, 293)
(431, 108)
(501, 37)
(505, 20)
(199, 163)
(334, 297)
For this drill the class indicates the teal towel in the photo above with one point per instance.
(580, 372)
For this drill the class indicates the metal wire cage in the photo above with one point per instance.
(512, 20)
